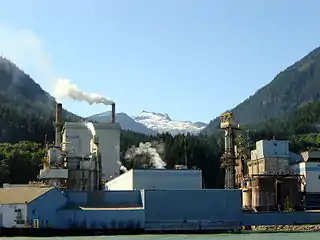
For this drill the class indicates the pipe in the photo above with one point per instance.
(58, 124)
(113, 112)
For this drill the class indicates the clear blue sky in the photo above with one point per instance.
(190, 59)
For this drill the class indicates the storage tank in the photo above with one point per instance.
(247, 198)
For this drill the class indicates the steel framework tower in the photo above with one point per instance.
(228, 159)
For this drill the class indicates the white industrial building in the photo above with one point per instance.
(310, 170)
(76, 139)
(157, 179)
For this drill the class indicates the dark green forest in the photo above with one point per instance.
(287, 108)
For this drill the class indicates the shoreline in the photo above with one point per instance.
(285, 228)
(29, 232)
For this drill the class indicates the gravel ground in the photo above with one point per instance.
(289, 228)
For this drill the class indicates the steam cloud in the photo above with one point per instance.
(25, 49)
(65, 89)
(122, 168)
(90, 126)
(146, 154)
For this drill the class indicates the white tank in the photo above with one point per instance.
(246, 198)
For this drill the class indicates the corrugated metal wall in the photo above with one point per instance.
(45, 207)
(193, 204)
(102, 219)
(219, 207)
(115, 199)
(106, 198)
(167, 179)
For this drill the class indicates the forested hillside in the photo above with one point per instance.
(301, 126)
(26, 110)
(289, 90)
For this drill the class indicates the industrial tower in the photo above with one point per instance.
(228, 159)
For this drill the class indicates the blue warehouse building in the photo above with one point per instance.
(150, 209)
(23, 207)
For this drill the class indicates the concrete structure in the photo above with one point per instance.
(77, 138)
(157, 179)
(270, 184)
(269, 156)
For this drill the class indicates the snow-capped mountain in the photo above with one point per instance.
(163, 123)
(124, 120)
(150, 123)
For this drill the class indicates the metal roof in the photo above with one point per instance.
(53, 173)
(21, 195)
(295, 158)
(97, 126)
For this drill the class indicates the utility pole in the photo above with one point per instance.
(185, 151)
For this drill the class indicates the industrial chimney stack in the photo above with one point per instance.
(113, 113)
(58, 124)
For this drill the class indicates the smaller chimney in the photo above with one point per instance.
(113, 113)
(58, 124)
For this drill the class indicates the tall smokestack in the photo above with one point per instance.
(113, 112)
(58, 124)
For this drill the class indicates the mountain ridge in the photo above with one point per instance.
(150, 123)
(162, 123)
(125, 121)
(293, 87)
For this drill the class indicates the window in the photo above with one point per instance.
(319, 176)
(19, 217)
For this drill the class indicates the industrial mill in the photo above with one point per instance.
(77, 162)
(81, 189)
(270, 176)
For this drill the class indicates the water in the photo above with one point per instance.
(251, 236)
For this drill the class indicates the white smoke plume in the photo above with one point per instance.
(122, 168)
(25, 49)
(91, 128)
(146, 154)
(65, 89)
